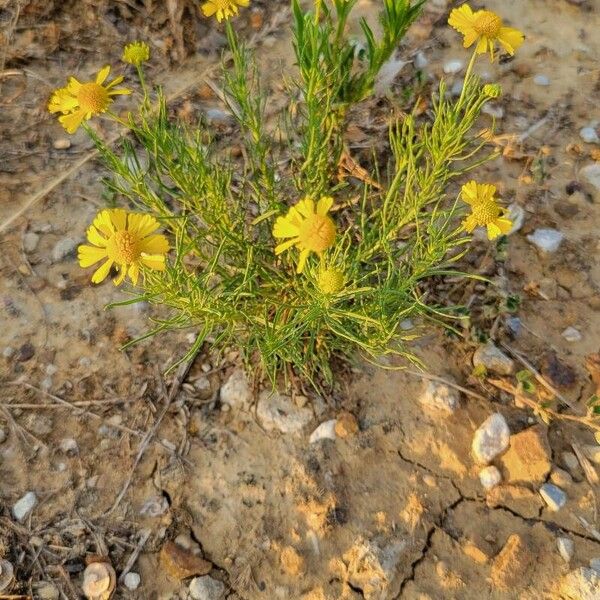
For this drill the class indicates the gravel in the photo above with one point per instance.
(572, 335)
(206, 588)
(440, 396)
(542, 80)
(491, 438)
(591, 174)
(63, 249)
(278, 412)
(325, 431)
(24, 506)
(554, 497)
(132, 581)
(490, 477)
(547, 240)
(493, 359)
(566, 547)
(453, 66)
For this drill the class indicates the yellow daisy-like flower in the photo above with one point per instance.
(485, 211)
(309, 226)
(330, 280)
(484, 27)
(136, 53)
(81, 101)
(125, 240)
(223, 9)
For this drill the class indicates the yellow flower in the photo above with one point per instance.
(485, 28)
(492, 90)
(485, 211)
(309, 226)
(223, 9)
(82, 101)
(330, 280)
(136, 53)
(125, 240)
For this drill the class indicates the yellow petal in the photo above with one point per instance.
(511, 39)
(94, 237)
(209, 9)
(482, 46)
(283, 228)
(302, 260)
(504, 224)
(118, 280)
(324, 205)
(73, 86)
(283, 247)
(154, 261)
(118, 218)
(102, 273)
(462, 19)
(103, 223)
(469, 224)
(134, 272)
(306, 207)
(72, 122)
(243, 2)
(89, 255)
(469, 192)
(493, 231)
(102, 75)
(142, 225)
(154, 244)
(115, 81)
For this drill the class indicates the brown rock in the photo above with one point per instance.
(479, 552)
(527, 459)
(517, 498)
(291, 561)
(180, 563)
(346, 425)
(511, 564)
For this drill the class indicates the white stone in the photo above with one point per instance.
(491, 438)
(8, 352)
(236, 390)
(325, 431)
(591, 173)
(62, 144)
(493, 110)
(206, 588)
(589, 135)
(439, 396)
(2, 436)
(553, 496)
(277, 412)
(132, 581)
(63, 248)
(30, 241)
(571, 334)
(566, 547)
(47, 591)
(387, 75)
(51, 369)
(453, 66)
(592, 451)
(581, 584)
(456, 89)
(490, 477)
(541, 80)
(595, 564)
(421, 60)
(406, 325)
(517, 215)
(547, 240)
(24, 506)
(69, 446)
(493, 359)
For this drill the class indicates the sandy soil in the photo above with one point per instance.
(393, 510)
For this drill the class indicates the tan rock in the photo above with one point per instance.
(527, 459)
(517, 498)
(346, 425)
(180, 563)
(512, 563)
(475, 552)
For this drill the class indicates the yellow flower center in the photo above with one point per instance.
(488, 24)
(330, 281)
(122, 248)
(486, 211)
(317, 233)
(93, 98)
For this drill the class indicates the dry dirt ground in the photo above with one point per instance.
(393, 510)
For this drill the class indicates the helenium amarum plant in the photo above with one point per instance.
(272, 252)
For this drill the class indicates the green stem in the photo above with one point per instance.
(466, 79)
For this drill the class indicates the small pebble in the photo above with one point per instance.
(30, 241)
(566, 547)
(421, 60)
(406, 325)
(24, 506)
(47, 591)
(69, 446)
(591, 174)
(514, 325)
(206, 588)
(517, 215)
(8, 352)
(595, 564)
(440, 397)
(325, 431)
(2, 436)
(570, 461)
(457, 88)
(63, 249)
(541, 80)
(132, 581)
(490, 477)
(216, 116)
(547, 240)
(62, 144)
(51, 370)
(491, 438)
(592, 451)
(589, 135)
(571, 334)
(493, 110)
(25, 352)
(453, 66)
(493, 359)
(554, 497)
(560, 477)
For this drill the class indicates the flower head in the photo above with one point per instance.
(136, 53)
(492, 90)
(125, 240)
(330, 280)
(485, 28)
(309, 226)
(485, 211)
(81, 101)
(223, 9)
